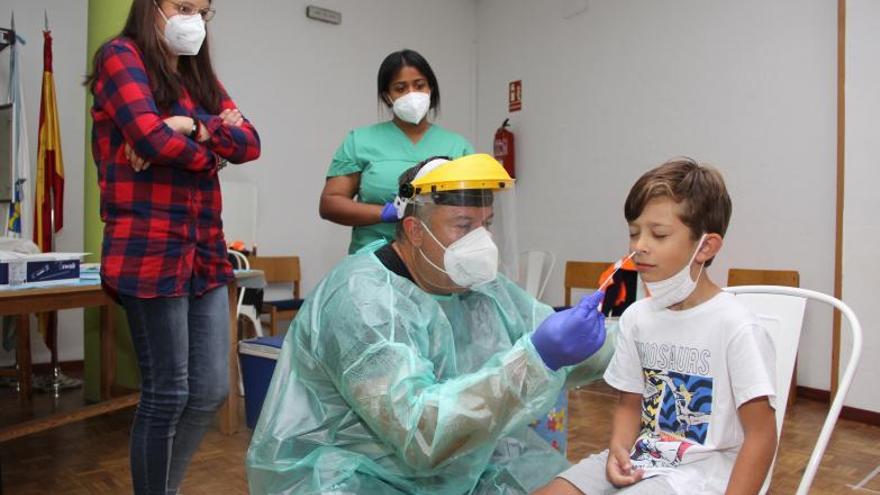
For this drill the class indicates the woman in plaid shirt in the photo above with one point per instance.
(163, 128)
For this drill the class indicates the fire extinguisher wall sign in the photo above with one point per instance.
(514, 96)
(505, 150)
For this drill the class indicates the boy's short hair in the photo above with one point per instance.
(699, 188)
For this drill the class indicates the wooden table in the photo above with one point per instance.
(23, 302)
(228, 415)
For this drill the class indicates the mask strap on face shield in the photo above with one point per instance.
(406, 193)
(400, 205)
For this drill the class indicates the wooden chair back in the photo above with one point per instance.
(749, 276)
(583, 275)
(279, 270)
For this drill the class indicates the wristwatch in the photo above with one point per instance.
(194, 132)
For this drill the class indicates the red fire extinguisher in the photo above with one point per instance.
(505, 151)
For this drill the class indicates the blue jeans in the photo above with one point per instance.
(182, 346)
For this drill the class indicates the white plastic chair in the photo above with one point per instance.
(535, 271)
(781, 310)
(246, 310)
(241, 309)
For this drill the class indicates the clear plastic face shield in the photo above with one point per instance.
(460, 232)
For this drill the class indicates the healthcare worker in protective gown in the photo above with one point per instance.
(415, 367)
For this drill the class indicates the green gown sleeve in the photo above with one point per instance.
(592, 368)
(373, 355)
(534, 312)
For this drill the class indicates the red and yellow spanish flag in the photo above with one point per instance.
(49, 188)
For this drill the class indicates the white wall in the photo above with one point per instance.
(861, 234)
(305, 84)
(68, 22)
(617, 89)
(608, 93)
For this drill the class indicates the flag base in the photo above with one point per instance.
(56, 382)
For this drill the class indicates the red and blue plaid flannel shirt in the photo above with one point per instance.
(163, 235)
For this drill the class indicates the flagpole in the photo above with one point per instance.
(7, 39)
(52, 323)
(57, 380)
(57, 377)
(20, 168)
(20, 156)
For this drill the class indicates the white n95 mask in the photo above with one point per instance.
(678, 287)
(184, 34)
(469, 261)
(412, 107)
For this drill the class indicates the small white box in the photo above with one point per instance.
(38, 270)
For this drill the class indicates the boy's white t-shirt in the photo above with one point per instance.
(694, 368)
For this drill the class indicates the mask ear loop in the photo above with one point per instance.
(161, 34)
(703, 264)
(438, 243)
(433, 236)
(434, 265)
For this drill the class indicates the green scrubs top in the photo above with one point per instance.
(380, 153)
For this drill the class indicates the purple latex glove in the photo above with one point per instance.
(568, 337)
(389, 213)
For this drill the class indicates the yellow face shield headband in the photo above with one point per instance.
(466, 181)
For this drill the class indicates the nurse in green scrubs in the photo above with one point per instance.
(362, 179)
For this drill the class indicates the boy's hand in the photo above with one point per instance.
(619, 469)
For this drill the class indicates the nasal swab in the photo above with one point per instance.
(617, 266)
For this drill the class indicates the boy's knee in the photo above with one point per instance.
(558, 486)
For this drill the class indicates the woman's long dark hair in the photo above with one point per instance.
(406, 58)
(195, 73)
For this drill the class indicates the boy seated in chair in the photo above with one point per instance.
(694, 368)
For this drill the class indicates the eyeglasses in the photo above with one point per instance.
(189, 9)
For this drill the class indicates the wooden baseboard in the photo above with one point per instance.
(851, 413)
(60, 419)
(814, 394)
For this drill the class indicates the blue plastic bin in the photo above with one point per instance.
(258, 357)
